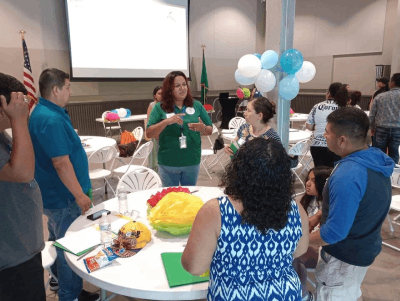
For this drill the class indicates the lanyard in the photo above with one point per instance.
(182, 111)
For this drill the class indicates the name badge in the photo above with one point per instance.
(190, 111)
(182, 141)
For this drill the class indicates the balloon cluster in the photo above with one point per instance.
(243, 93)
(122, 112)
(254, 69)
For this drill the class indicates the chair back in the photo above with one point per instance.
(103, 116)
(215, 130)
(299, 149)
(140, 179)
(142, 152)
(236, 122)
(103, 155)
(138, 133)
(395, 177)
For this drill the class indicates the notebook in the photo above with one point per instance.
(176, 275)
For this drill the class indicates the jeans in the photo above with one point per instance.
(173, 175)
(388, 138)
(59, 222)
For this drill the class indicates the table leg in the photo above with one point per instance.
(105, 183)
(103, 295)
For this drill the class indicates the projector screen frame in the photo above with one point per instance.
(121, 79)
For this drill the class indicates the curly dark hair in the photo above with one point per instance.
(10, 84)
(167, 102)
(259, 177)
(321, 173)
(264, 106)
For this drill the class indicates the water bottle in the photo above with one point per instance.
(105, 231)
(123, 201)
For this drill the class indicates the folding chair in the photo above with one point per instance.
(138, 133)
(394, 205)
(108, 128)
(299, 149)
(140, 179)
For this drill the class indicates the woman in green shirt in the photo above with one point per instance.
(178, 120)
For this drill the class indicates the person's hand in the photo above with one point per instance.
(17, 109)
(84, 202)
(176, 119)
(313, 221)
(228, 150)
(197, 127)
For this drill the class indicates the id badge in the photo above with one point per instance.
(182, 141)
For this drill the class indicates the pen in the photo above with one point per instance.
(90, 250)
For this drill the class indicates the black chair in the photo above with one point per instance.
(228, 105)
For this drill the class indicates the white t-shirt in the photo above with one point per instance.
(317, 117)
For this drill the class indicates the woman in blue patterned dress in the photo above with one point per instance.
(248, 237)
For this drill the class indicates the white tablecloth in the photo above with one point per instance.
(299, 117)
(127, 119)
(93, 143)
(143, 275)
(294, 136)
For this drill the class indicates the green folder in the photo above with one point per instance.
(56, 244)
(176, 275)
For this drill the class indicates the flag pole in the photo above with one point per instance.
(22, 33)
(203, 91)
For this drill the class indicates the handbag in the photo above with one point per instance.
(127, 145)
(218, 144)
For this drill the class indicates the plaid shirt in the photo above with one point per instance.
(385, 110)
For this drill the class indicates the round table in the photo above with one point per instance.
(298, 117)
(94, 143)
(294, 135)
(142, 275)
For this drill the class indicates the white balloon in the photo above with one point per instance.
(243, 80)
(122, 112)
(266, 81)
(306, 73)
(249, 65)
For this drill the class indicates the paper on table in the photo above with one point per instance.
(81, 240)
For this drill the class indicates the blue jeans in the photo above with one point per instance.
(59, 222)
(173, 175)
(388, 138)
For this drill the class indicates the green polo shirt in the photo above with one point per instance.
(170, 153)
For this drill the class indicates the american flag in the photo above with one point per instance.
(28, 78)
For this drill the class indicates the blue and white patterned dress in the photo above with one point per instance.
(250, 266)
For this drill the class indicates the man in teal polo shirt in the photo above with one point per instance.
(176, 121)
(62, 171)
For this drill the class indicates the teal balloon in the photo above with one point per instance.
(128, 113)
(269, 59)
(289, 87)
(114, 111)
(291, 61)
(257, 55)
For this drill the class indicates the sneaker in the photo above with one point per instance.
(88, 296)
(53, 284)
(309, 297)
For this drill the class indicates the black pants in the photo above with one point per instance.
(322, 156)
(23, 282)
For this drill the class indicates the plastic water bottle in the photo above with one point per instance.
(122, 201)
(105, 231)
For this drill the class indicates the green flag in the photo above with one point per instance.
(204, 82)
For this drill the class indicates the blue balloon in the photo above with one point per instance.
(128, 113)
(114, 111)
(289, 87)
(243, 80)
(291, 61)
(257, 55)
(269, 59)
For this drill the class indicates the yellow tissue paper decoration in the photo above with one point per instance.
(175, 213)
(206, 273)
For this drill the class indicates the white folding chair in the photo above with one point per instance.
(108, 128)
(394, 205)
(140, 179)
(138, 133)
(236, 122)
(206, 153)
(102, 156)
(49, 256)
(299, 149)
(217, 159)
(142, 152)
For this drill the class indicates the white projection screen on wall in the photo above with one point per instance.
(128, 39)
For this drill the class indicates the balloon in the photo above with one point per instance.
(306, 73)
(121, 112)
(291, 61)
(265, 81)
(289, 87)
(249, 65)
(128, 113)
(257, 55)
(243, 80)
(114, 111)
(239, 93)
(269, 59)
(246, 92)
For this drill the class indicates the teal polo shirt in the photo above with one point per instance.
(170, 153)
(53, 136)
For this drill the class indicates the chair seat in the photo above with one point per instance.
(49, 254)
(98, 173)
(114, 127)
(207, 152)
(123, 169)
(395, 204)
(297, 167)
